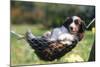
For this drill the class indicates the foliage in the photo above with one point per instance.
(49, 14)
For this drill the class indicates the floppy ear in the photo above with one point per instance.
(82, 27)
(81, 30)
(67, 22)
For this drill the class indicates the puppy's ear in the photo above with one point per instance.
(67, 22)
(82, 27)
(81, 30)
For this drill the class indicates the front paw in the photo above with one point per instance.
(47, 34)
(67, 37)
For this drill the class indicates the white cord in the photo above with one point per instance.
(18, 35)
(90, 23)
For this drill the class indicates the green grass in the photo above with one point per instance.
(22, 54)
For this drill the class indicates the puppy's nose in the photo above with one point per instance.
(71, 28)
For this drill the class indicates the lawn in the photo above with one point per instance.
(22, 54)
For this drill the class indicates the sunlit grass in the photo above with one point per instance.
(22, 54)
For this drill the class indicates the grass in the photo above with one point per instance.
(22, 54)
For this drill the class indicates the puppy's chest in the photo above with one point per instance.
(57, 32)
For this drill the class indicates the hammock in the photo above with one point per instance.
(48, 50)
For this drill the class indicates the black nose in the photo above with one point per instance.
(71, 28)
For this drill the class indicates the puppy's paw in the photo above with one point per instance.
(47, 34)
(66, 39)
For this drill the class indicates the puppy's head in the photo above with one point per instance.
(75, 25)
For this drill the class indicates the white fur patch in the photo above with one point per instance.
(57, 32)
(75, 17)
(66, 38)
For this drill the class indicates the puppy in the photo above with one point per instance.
(72, 29)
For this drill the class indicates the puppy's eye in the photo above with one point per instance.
(76, 22)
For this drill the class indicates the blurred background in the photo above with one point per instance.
(41, 17)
